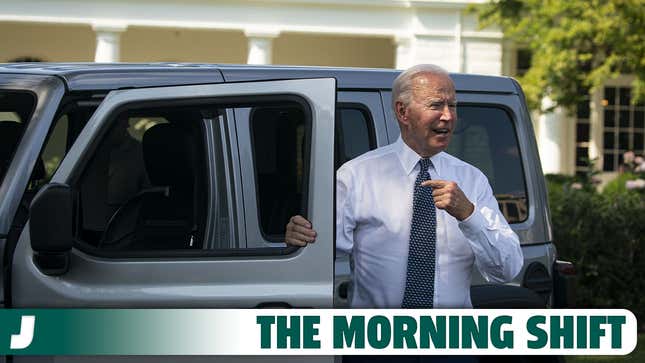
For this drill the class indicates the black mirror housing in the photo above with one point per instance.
(51, 228)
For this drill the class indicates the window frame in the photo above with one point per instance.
(306, 166)
(278, 240)
(368, 117)
(616, 130)
(222, 104)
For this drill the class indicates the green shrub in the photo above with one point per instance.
(603, 235)
(619, 184)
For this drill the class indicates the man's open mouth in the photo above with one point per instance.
(441, 131)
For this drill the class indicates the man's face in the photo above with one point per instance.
(428, 121)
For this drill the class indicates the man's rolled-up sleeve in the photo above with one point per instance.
(498, 254)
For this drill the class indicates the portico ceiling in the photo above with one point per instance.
(352, 17)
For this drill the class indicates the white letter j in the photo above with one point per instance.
(26, 335)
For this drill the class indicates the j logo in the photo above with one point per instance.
(26, 334)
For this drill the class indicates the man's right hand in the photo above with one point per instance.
(299, 232)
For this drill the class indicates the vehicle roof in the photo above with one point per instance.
(107, 76)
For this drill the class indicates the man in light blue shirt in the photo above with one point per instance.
(377, 203)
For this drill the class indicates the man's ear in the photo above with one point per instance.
(401, 112)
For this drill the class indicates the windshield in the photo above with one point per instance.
(16, 109)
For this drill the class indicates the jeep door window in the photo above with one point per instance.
(145, 187)
(161, 177)
(280, 150)
(485, 137)
(16, 109)
(279, 154)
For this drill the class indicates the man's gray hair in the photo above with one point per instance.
(402, 86)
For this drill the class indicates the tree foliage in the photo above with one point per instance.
(576, 44)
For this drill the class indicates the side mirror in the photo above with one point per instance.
(51, 228)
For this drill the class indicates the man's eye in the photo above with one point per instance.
(440, 105)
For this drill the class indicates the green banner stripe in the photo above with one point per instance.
(112, 331)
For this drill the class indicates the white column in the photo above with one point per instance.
(509, 55)
(458, 43)
(404, 51)
(552, 139)
(108, 42)
(260, 46)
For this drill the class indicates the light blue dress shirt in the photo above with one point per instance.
(374, 211)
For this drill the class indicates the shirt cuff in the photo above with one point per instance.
(474, 224)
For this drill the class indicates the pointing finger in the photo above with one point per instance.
(434, 183)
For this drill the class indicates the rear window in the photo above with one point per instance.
(485, 137)
(16, 109)
(354, 135)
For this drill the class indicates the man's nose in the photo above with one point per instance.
(448, 113)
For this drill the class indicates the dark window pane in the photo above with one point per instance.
(582, 156)
(608, 162)
(353, 135)
(523, 61)
(118, 211)
(609, 140)
(512, 211)
(625, 96)
(56, 146)
(623, 141)
(609, 118)
(638, 119)
(279, 151)
(623, 119)
(582, 133)
(610, 95)
(485, 137)
(583, 109)
(638, 142)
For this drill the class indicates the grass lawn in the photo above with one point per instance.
(638, 355)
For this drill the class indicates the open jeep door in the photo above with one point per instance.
(148, 207)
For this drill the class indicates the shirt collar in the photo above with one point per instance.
(409, 158)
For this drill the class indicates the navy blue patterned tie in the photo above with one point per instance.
(419, 284)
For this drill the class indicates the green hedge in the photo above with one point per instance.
(603, 234)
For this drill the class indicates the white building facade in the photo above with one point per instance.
(355, 33)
